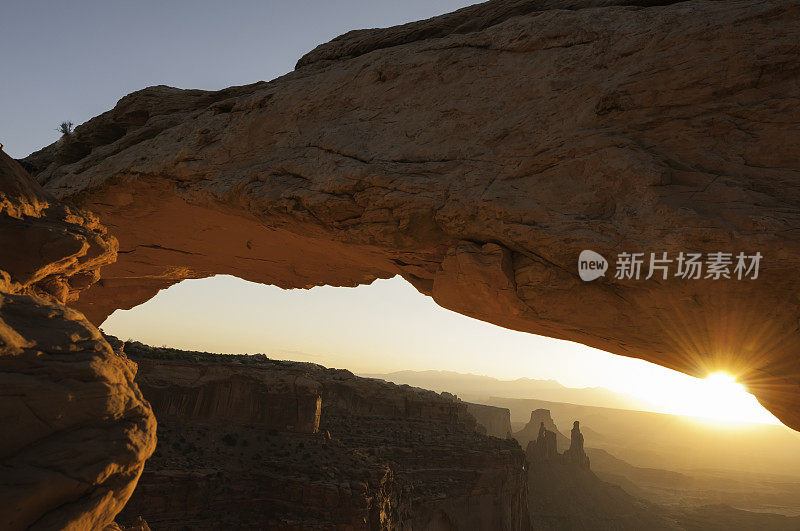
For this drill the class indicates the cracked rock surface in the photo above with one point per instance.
(477, 154)
(50, 249)
(77, 430)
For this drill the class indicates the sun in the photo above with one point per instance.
(719, 397)
(723, 383)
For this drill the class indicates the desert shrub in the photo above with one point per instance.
(65, 128)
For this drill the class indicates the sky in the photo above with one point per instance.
(389, 326)
(75, 60)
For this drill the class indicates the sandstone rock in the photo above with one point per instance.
(543, 449)
(496, 420)
(532, 430)
(477, 155)
(239, 448)
(50, 249)
(77, 430)
(575, 454)
(230, 394)
(564, 494)
(477, 481)
(385, 457)
(466, 20)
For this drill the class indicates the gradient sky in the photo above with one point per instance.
(389, 326)
(74, 60)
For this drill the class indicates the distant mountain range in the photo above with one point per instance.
(473, 386)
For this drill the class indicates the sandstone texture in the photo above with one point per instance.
(50, 249)
(384, 456)
(76, 427)
(477, 154)
(220, 394)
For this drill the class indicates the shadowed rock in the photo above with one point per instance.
(385, 456)
(543, 449)
(496, 420)
(533, 429)
(575, 454)
(77, 429)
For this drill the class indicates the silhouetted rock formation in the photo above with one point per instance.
(564, 494)
(385, 456)
(532, 430)
(543, 449)
(495, 420)
(76, 430)
(575, 454)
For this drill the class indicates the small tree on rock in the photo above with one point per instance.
(65, 128)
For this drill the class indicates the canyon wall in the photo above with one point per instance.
(77, 429)
(477, 154)
(383, 456)
(495, 420)
(219, 394)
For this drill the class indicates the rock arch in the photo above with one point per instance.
(476, 155)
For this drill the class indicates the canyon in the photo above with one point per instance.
(363, 453)
(565, 493)
(246, 442)
(475, 154)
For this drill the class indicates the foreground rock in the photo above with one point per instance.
(76, 428)
(380, 456)
(50, 249)
(477, 155)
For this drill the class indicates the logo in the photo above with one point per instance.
(662, 266)
(591, 265)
